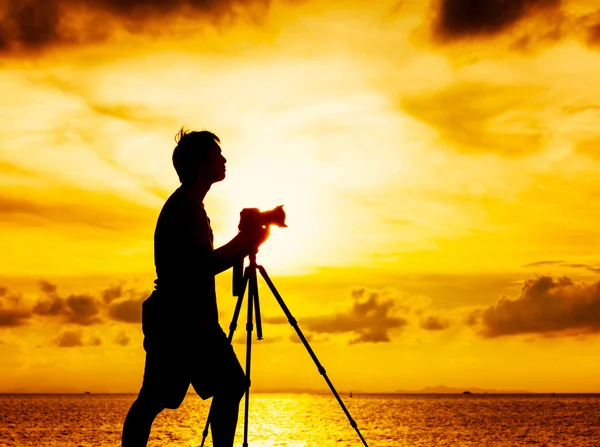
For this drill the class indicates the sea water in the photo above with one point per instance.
(306, 420)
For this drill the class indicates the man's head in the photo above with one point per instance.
(198, 156)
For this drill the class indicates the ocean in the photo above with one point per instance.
(306, 420)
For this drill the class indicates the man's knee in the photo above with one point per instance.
(170, 393)
(233, 389)
(157, 399)
(243, 386)
(149, 404)
(238, 387)
(172, 400)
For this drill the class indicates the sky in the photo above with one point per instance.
(438, 162)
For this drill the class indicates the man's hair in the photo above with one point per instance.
(191, 146)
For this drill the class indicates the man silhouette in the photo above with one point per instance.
(183, 340)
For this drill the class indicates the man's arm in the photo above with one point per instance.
(241, 245)
(194, 225)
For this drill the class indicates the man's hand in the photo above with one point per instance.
(253, 238)
(243, 244)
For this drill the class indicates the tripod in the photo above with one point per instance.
(249, 279)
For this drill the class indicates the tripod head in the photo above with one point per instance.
(252, 219)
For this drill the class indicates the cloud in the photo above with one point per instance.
(8, 297)
(68, 339)
(594, 35)
(122, 339)
(310, 338)
(370, 318)
(433, 323)
(47, 287)
(14, 317)
(127, 311)
(587, 27)
(116, 303)
(73, 339)
(112, 293)
(27, 25)
(521, 25)
(84, 309)
(595, 268)
(81, 309)
(76, 207)
(456, 19)
(479, 118)
(124, 304)
(543, 263)
(546, 306)
(12, 312)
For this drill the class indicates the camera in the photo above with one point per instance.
(253, 218)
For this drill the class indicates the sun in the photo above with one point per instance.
(288, 249)
(280, 182)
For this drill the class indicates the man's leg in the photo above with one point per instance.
(218, 373)
(164, 385)
(224, 414)
(137, 425)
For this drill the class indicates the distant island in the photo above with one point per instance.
(442, 389)
(322, 391)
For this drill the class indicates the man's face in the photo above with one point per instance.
(214, 170)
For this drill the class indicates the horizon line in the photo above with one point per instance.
(318, 392)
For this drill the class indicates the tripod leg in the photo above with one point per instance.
(322, 371)
(232, 328)
(257, 312)
(238, 307)
(252, 298)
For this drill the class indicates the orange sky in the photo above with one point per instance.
(438, 162)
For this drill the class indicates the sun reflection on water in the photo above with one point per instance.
(302, 420)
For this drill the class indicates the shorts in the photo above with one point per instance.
(177, 357)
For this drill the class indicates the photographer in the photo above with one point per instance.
(183, 340)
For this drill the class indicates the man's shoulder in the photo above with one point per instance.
(180, 206)
(180, 200)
